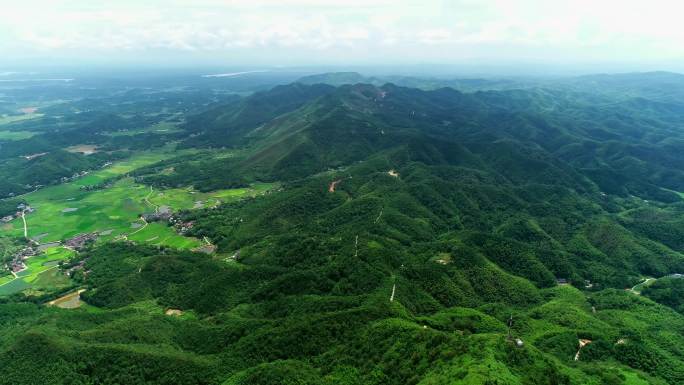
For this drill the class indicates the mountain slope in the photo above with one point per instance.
(415, 237)
(561, 129)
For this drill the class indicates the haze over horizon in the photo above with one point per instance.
(489, 36)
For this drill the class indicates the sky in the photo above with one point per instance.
(626, 34)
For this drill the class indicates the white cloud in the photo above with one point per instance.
(623, 30)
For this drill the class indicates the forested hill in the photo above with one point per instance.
(416, 237)
(543, 181)
(624, 147)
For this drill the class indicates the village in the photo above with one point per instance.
(17, 262)
(21, 208)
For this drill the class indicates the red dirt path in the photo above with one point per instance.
(331, 188)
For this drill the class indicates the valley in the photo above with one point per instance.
(108, 204)
(342, 229)
(302, 192)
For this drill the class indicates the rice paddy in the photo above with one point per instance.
(41, 273)
(65, 210)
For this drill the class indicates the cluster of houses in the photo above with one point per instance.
(79, 241)
(17, 263)
(72, 178)
(22, 207)
(79, 266)
(163, 214)
(565, 281)
(94, 187)
(180, 226)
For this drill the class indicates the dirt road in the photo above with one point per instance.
(141, 228)
(331, 187)
(637, 288)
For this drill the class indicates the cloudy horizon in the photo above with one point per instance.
(629, 35)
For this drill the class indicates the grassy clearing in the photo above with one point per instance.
(82, 148)
(161, 234)
(50, 279)
(119, 168)
(16, 135)
(187, 198)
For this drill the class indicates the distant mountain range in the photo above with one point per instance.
(630, 140)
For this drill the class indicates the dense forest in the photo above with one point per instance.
(458, 232)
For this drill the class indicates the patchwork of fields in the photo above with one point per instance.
(41, 273)
(66, 210)
(69, 209)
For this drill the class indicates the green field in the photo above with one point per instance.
(66, 210)
(187, 198)
(6, 278)
(41, 273)
(43, 262)
(16, 135)
(115, 210)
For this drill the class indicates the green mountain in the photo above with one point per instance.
(658, 86)
(633, 142)
(416, 237)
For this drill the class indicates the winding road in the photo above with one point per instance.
(141, 228)
(156, 210)
(147, 200)
(642, 284)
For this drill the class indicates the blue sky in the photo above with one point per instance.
(632, 34)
